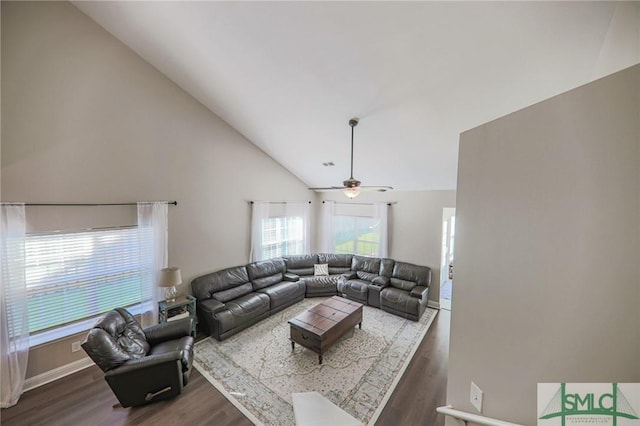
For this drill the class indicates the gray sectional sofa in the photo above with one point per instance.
(230, 300)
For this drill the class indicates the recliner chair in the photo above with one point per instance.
(141, 365)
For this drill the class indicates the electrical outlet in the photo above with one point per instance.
(75, 346)
(476, 397)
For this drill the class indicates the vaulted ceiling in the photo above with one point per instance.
(290, 75)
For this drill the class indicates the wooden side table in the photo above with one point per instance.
(182, 304)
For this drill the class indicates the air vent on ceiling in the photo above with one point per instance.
(328, 164)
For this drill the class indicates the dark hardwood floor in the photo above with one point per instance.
(84, 398)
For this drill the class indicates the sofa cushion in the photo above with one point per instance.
(421, 275)
(321, 286)
(301, 264)
(386, 267)
(366, 275)
(203, 287)
(338, 263)
(232, 293)
(242, 311)
(301, 271)
(402, 284)
(284, 294)
(354, 289)
(366, 264)
(260, 283)
(400, 302)
(266, 272)
(115, 339)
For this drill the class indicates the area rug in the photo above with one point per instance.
(257, 371)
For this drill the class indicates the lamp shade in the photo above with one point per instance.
(170, 277)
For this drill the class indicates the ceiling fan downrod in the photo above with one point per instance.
(353, 123)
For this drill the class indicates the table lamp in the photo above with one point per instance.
(169, 279)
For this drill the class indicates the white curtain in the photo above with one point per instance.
(380, 216)
(14, 320)
(301, 209)
(259, 213)
(153, 227)
(328, 227)
(291, 213)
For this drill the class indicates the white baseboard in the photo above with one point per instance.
(56, 373)
(433, 304)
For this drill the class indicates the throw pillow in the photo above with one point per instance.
(321, 269)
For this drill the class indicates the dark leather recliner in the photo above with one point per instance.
(407, 294)
(141, 365)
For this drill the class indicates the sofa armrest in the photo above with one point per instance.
(147, 362)
(210, 306)
(168, 331)
(350, 275)
(288, 276)
(380, 281)
(419, 292)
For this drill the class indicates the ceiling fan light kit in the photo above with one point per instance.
(351, 187)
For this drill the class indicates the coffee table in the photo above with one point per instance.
(323, 325)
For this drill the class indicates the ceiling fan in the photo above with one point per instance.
(351, 187)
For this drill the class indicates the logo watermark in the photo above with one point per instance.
(562, 404)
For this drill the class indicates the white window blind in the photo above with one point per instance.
(356, 228)
(279, 229)
(357, 235)
(79, 275)
(282, 236)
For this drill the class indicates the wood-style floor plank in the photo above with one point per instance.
(84, 398)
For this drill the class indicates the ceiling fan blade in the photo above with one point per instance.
(328, 188)
(376, 188)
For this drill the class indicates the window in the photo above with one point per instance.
(80, 275)
(279, 229)
(355, 228)
(282, 236)
(357, 235)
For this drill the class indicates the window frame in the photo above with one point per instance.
(41, 283)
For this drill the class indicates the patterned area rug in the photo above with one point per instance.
(257, 370)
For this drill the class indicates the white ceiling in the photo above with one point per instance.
(289, 75)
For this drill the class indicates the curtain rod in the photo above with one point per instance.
(391, 203)
(174, 203)
(280, 202)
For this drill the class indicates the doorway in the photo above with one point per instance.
(446, 265)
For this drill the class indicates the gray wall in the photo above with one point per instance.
(87, 120)
(547, 283)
